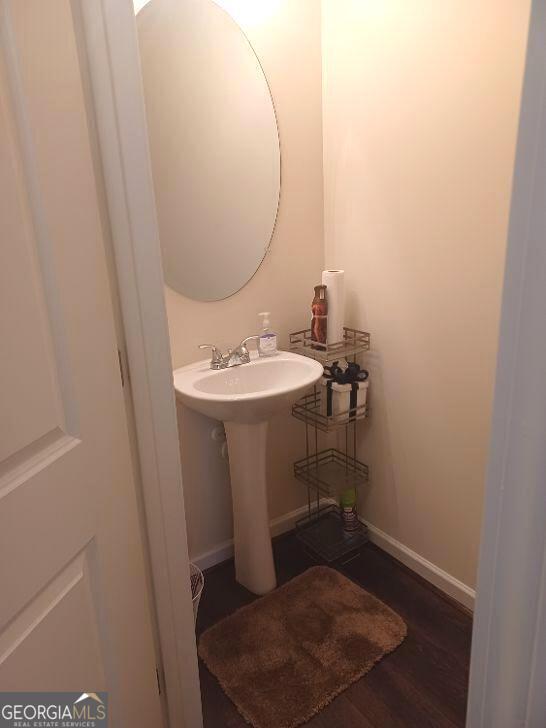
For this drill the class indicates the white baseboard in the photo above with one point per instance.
(224, 550)
(429, 571)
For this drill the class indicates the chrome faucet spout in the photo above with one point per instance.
(241, 355)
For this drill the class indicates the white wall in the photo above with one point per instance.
(419, 105)
(420, 110)
(287, 39)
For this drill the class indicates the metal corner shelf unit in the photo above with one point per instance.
(354, 342)
(328, 473)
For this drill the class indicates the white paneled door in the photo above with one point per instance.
(74, 610)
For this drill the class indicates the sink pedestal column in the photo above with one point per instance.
(254, 566)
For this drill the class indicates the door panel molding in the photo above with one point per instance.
(34, 457)
(35, 611)
(54, 319)
(28, 636)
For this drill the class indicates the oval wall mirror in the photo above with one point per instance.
(214, 146)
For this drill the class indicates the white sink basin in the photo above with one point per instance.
(245, 397)
(248, 393)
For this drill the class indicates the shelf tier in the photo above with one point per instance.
(330, 472)
(308, 410)
(354, 342)
(323, 533)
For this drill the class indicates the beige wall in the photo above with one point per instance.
(288, 44)
(420, 117)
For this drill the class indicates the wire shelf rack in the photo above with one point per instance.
(354, 342)
(308, 409)
(324, 535)
(330, 472)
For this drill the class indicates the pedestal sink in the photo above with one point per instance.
(244, 398)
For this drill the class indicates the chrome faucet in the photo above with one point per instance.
(233, 357)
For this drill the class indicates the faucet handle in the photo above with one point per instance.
(242, 349)
(216, 354)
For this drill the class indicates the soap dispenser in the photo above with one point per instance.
(268, 339)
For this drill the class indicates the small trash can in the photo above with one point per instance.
(197, 581)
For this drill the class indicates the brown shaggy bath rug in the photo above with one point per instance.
(284, 657)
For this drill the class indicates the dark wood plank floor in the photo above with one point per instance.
(423, 684)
